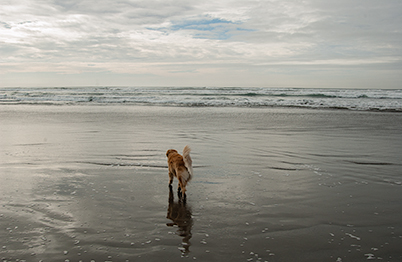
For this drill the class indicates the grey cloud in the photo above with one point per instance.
(223, 34)
(142, 12)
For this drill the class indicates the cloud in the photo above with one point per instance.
(198, 37)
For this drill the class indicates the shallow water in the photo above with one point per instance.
(90, 183)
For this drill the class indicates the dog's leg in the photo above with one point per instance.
(170, 178)
(182, 186)
(171, 197)
(184, 198)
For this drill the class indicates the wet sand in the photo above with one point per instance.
(90, 183)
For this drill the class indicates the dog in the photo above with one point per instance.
(180, 167)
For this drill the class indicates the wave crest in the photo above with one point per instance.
(353, 99)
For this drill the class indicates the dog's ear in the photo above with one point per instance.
(170, 151)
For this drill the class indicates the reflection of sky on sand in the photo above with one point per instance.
(264, 181)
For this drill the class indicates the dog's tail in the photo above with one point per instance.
(187, 160)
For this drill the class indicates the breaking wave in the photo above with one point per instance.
(352, 99)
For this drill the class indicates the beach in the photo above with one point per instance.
(90, 183)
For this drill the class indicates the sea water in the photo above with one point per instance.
(352, 99)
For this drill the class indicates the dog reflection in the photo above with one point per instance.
(180, 214)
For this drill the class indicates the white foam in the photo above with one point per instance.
(353, 99)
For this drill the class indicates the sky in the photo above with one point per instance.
(269, 43)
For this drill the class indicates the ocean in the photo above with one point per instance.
(317, 98)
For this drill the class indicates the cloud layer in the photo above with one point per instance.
(264, 43)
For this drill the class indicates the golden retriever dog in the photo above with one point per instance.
(180, 167)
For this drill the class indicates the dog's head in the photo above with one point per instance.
(170, 151)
